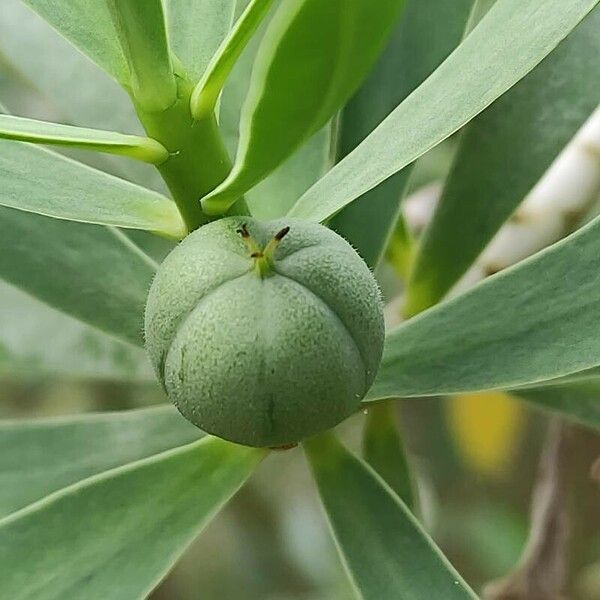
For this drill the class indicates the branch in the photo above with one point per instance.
(542, 571)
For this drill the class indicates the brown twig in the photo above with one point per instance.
(542, 571)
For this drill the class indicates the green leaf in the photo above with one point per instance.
(89, 27)
(142, 32)
(41, 70)
(426, 33)
(101, 103)
(115, 535)
(275, 195)
(37, 180)
(591, 375)
(77, 350)
(387, 553)
(206, 94)
(196, 29)
(47, 65)
(500, 51)
(503, 153)
(95, 274)
(311, 60)
(383, 449)
(579, 402)
(38, 457)
(532, 322)
(41, 132)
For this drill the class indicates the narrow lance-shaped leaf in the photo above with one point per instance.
(579, 402)
(77, 351)
(386, 552)
(142, 32)
(38, 457)
(36, 180)
(206, 94)
(196, 29)
(40, 71)
(115, 535)
(88, 26)
(275, 195)
(503, 153)
(46, 65)
(532, 322)
(311, 60)
(41, 132)
(500, 51)
(95, 274)
(427, 31)
(383, 449)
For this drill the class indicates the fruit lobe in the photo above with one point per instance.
(264, 335)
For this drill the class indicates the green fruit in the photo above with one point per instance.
(264, 333)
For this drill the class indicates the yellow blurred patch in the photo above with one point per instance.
(486, 428)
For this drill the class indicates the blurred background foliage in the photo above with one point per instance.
(475, 460)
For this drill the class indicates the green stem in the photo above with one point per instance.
(198, 160)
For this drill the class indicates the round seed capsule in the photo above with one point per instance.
(264, 333)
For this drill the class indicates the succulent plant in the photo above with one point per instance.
(268, 205)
